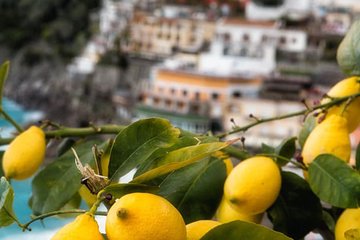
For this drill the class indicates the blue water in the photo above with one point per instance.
(44, 228)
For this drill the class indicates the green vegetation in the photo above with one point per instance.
(60, 25)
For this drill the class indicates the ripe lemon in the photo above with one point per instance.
(84, 227)
(198, 229)
(351, 112)
(25, 154)
(144, 216)
(253, 185)
(349, 219)
(225, 213)
(331, 136)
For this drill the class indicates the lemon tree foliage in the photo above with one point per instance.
(297, 210)
(137, 142)
(357, 158)
(238, 230)
(334, 181)
(4, 71)
(6, 203)
(308, 125)
(57, 183)
(348, 53)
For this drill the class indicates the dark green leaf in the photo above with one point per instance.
(286, 149)
(120, 189)
(7, 215)
(348, 53)
(357, 157)
(196, 190)
(329, 221)
(267, 149)
(73, 203)
(240, 154)
(55, 185)
(334, 182)
(136, 143)
(238, 230)
(4, 72)
(180, 158)
(309, 125)
(297, 210)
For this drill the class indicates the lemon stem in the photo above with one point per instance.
(95, 206)
(297, 164)
(50, 214)
(11, 120)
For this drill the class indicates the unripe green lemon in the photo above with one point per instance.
(331, 136)
(25, 154)
(253, 185)
(351, 111)
(144, 216)
(84, 227)
(225, 213)
(349, 219)
(198, 229)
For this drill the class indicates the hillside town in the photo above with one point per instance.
(210, 68)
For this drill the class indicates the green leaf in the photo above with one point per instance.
(267, 149)
(4, 72)
(183, 141)
(329, 220)
(352, 234)
(180, 158)
(120, 189)
(135, 144)
(286, 149)
(55, 185)
(357, 157)
(309, 125)
(334, 182)
(7, 216)
(73, 203)
(238, 230)
(348, 53)
(297, 210)
(197, 189)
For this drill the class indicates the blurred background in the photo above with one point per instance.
(204, 65)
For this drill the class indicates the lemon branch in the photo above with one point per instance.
(297, 164)
(8, 118)
(306, 111)
(55, 213)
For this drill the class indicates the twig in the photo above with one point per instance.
(11, 121)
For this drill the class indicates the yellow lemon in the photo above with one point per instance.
(253, 185)
(331, 136)
(88, 197)
(144, 216)
(198, 229)
(349, 219)
(225, 213)
(351, 112)
(25, 154)
(84, 227)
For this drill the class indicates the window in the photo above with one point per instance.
(185, 93)
(246, 37)
(215, 96)
(236, 94)
(282, 40)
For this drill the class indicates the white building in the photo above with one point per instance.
(249, 47)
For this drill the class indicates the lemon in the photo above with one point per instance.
(349, 219)
(84, 227)
(198, 229)
(253, 185)
(225, 213)
(88, 197)
(331, 136)
(351, 112)
(144, 216)
(25, 154)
